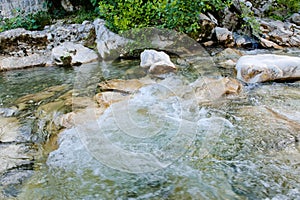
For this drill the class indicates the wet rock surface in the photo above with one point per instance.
(249, 124)
(16, 157)
(268, 67)
(224, 115)
(228, 57)
(209, 91)
(27, 130)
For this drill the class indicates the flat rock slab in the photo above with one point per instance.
(34, 60)
(268, 67)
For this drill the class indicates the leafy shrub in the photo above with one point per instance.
(81, 15)
(250, 25)
(33, 21)
(282, 9)
(122, 15)
(37, 21)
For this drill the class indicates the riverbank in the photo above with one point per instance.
(56, 44)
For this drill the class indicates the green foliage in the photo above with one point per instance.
(282, 9)
(250, 24)
(37, 21)
(121, 15)
(180, 15)
(81, 15)
(34, 21)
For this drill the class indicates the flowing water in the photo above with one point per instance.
(161, 144)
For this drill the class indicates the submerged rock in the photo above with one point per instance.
(9, 129)
(228, 57)
(157, 62)
(282, 131)
(125, 86)
(209, 90)
(267, 67)
(113, 91)
(69, 54)
(8, 112)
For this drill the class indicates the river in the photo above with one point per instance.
(159, 144)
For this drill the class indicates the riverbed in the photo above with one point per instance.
(160, 143)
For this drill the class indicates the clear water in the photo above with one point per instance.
(245, 148)
(15, 84)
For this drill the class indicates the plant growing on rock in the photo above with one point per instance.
(53, 10)
(32, 21)
(250, 24)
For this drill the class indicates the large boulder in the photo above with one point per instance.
(69, 54)
(131, 43)
(268, 67)
(109, 44)
(157, 62)
(20, 48)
